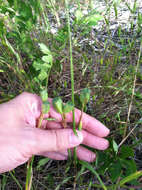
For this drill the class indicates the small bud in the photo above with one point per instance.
(85, 95)
(68, 107)
(45, 107)
(58, 105)
(44, 95)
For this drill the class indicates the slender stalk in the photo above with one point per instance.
(72, 78)
(39, 122)
(64, 120)
(29, 175)
(71, 63)
(133, 92)
(80, 120)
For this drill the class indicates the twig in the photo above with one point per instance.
(128, 134)
(133, 91)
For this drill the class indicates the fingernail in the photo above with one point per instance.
(93, 158)
(76, 139)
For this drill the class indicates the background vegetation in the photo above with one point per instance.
(106, 45)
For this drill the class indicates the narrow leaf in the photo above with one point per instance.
(47, 59)
(89, 167)
(44, 48)
(130, 178)
(42, 162)
(115, 146)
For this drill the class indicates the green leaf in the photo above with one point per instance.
(126, 152)
(130, 178)
(41, 66)
(58, 104)
(89, 167)
(44, 48)
(50, 119)
(78, 15)
(85, 96)
(42, 75)
(42, 162)
(47, 59)
(45, 107)
(129, 166)
(44, 95)
(115, 146)
(115, 170)
(63, 182)
(92, 20)
(68, 107)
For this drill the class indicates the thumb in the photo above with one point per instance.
(55, 140)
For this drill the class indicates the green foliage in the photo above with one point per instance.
(68, 107)
(44, 95)
(89, 167)
(43, 65)
(130, 178)
(85, 96)
(58, 104)
(45, 107)
(42, 163)
(37, 42)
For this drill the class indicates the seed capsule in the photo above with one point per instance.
(85, 95)
(68, 107)
(45, 107)
(58, 105)
(44, 95)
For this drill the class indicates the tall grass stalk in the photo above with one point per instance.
(71, 62)
(133, 91)
(14, 178)
(72, 78)
(29, 175)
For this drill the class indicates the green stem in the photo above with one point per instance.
(80, 120)
(30, 161)
(71, 64)
(29, 174)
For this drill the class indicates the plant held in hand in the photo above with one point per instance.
(45, 107)
(45, 110)
(63, 109)
(84, 98)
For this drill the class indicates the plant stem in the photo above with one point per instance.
(39, 122)
(64, 120)
(72, 76)
(80, 120)
(133, 92)
(29, 175)
(71, 63)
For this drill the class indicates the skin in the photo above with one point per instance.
(20, 139)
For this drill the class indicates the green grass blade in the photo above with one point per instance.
(63, 182)
(130, 178)
(17, 182)
(89, 167)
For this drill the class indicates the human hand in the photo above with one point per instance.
(93, 132)
(19, 139)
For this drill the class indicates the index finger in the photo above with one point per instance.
(90, 124)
